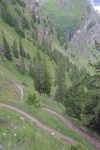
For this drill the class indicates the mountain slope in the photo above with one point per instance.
(75, 22)
(66, 15)
(38, 55)
(86, 39)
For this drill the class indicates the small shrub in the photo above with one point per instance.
(23, 83)
(21, 3)
(33, 99)
(77, 147)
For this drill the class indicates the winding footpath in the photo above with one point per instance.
(39, 124)
(70, 124)
(56, 134)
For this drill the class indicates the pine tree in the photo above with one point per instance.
(23, 69)
(74, 97)
(61, 84)
(42, 77)
(15, 49)
(47, 80)
(25, 23)
(91, 117)
(28, 56)
(7, 49)
(22, 51)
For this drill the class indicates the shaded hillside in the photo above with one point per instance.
(77, 26)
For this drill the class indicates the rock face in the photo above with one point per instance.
(76, 20)
(44, 29)
(84, 39)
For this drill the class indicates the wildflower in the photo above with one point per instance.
(22, 118)
(52, 133)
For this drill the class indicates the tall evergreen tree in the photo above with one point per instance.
(74, 98)
(21, 48)
(91, 117)
(42, 77)
(25, 23)
(28, 56)
(47, 80)
(23, 69)
(15, 49)
(7, 49)
(61, 84)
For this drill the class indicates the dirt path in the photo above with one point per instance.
(89, 137)
(21, 91)
(39, 124)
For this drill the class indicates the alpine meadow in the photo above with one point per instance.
(49, 75)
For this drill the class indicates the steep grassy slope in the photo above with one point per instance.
(13, 82)
(16, 133)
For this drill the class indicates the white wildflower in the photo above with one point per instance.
(52, 133)
(22, 118)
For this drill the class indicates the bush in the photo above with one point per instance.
(20, 31)
(77, 147)
(21, 3)
(33, 99)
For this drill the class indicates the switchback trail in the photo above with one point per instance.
(70, 124)
(39, 124)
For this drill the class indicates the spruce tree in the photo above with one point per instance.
(15, 49)
(47, 79)
(28, 56)
(21, 48)
(91, 117)
(25, 23)
(42, 77)
(7, 49)
(23, 69)
(61, 84)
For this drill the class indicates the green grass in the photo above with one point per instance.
(52, 121)
(18, 134)
(65, 18)
(9, 78)
(8, 96)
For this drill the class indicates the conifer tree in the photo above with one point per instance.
(47, 79)
(15, 49)
(25, 23)
(61, 84)
(7, 49)
(21, 48)
(23, 69)
(42, 77)
(28, 56)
